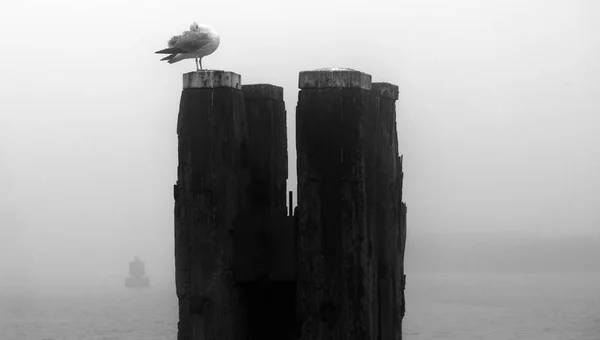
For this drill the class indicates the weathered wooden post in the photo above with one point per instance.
(247, 270)
(386, 195)
(267, 143)
(264, 242)
(335, 246)
(400, 274)
(212, 178)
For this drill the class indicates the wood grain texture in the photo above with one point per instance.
(335, 254)
(265, 228)
(349, 194)
(212, 177)
(384, 173)
(232, 232)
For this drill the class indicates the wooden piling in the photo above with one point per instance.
(384, 198)
(267, 143)
(401, 275)
(212, 176)
(335, 246)
(244, 268)
(264, 251)
(261, 227)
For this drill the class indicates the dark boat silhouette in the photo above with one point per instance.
(137, 272)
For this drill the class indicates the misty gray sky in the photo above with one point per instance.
(498, 115)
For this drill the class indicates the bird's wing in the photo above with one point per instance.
(176, 38)
(190, 41)
(173, 41)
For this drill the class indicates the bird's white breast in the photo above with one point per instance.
(212, 45)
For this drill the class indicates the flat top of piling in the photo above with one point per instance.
(210, 79)
(334, 77)
(263, 91)
(387, 90)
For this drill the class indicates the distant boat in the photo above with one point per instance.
(137, 272)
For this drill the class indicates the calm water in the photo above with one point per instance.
(441, 306)
(503, 306)
(95, 314)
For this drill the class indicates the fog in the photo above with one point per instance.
(498, 123)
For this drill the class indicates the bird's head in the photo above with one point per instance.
(194, 26)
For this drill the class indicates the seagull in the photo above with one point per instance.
(198, 42)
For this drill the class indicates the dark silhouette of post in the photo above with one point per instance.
(267, 145)
(336, 297)
(268, 157)
(255, 258)
(212, 179)
(245, 269)
(401, 276)
(264, 258)
(384, 173)
(350, 229)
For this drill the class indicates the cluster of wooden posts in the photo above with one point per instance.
(246, 267)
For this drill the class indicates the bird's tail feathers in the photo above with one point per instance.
(176, 58)
(170, 51)
(170, 56)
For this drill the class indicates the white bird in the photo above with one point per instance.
(198, 42)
